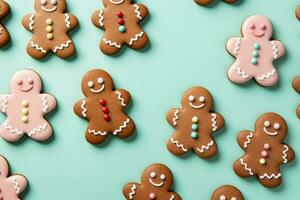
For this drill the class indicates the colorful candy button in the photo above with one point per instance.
(25, 119)
(49, 29)
(120, 14)
(262, 161)
(194, 135)
(195, 119)
(49, 21)
(50, 36)
(152, 195)
(267, 146)
(102, 102)
(25, 103)
(122, 29)
(256, 46)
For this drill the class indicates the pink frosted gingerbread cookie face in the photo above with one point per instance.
(11, 187)
(25, 108)
(255, 53)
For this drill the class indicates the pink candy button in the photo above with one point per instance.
(152, 195)
(267, 146)
(264, 154)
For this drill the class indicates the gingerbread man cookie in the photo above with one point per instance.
(265, 150)
(10, 187)
(103, 108)
(50, 27)
(296, 86)
(156, 182)
(4, 35)
(255, 53)
(227, 192)
(25, 108)
(208, 2)
(194, 124)
(298, 12)
(120, 19)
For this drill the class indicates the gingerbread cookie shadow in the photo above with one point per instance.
(213, 3)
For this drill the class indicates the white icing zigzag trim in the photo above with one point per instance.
(121, 99)
(94, 132)
(178, 145)
(67, 20)
(205, 148)
(84, 110)
(172, 197)
(4, 103)
(248, 139)
(214, 122)
(1, 29)
(275, 49)
(284, 157)
(62, 46)
(45, 104)
(38, 130)
(137, 11)
(268, 75)
(37, 47)
(31, 22)
(136, 37)
(119, 130)
(111, 43)
(12, 130)
(246, 167)
(240, 72)
(237, 46)
(101, 17)
(132, 193)
(176, 117)
(17, 185)
(270, 176)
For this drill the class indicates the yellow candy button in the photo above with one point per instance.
(49, 29)
(25, 119)
(25, 111)
(50, 36)
(49, 21)
(262, 161)
(25, 104)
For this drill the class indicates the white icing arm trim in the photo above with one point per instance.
(275, 49)
(132, 193)
(137, 12)
(101, 18)
(121, 99)
(136, 37)
(120, 129)
(172, 197)
(16, 185)
(45, 104)
(178, 144)
(31, 22)
(176, 117)
(1, 29)
(248, 141)
(214, 122)
(237, 46)
(205, 147)
(4, 102)
(284, 157)
(67, 20)
(83, 107)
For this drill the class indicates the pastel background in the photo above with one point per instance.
(186, 49)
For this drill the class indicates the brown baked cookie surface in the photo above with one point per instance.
(156, 183)
(296, 86)
(227, 192)
(50, 26)
(120, 19)
(194, 124)
(104, 108)
(4, 35)
(208, 2)
(265, 150)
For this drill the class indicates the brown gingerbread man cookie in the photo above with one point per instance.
(208, 2)
(103, 108)
(156, 183)
(227, 192)
(265, 150)
(296, 86)
(50, 26)
(298, 12)
(194, 124)
(4, 35)
(120, 19)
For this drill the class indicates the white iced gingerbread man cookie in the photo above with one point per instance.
(25, 108)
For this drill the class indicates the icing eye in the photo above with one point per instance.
(43, 2)
(252, 26)
(53, 2)
(30, 81)
(100, 80)
(263, 27)
(191, 98)
(267, 124)
(162, 177)
(19, 82)
(153, 175)
(91, 84)
(202, 99)
(277, 126)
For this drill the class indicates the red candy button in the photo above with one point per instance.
(121, 21)
(120, 14)
(105, 110)
(107, 117)
(102, 102)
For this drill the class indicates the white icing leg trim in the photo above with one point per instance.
(101, 18)
(31, 22)
(4, 103)
(120, 129)
(67, 20)
(246, 167)
(94, 132)
(136, 37)
(1, 29)
(172, 197)
(11, 129)
(178, 145)
(240, 72)
(176, 117)
(121, 99)
(45, 104)
(275, 49)
(37, 47)
(62, 46)
(237, 46)
(284, 157)
(38, 130)
(111, 43)
(248, 139)
(137, 12)
(214, 122)
(132, 193)
(272, 176)
(83, 107)
(205, 148)
(17, 185)
(268, 75)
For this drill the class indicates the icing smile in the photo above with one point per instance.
(50, 9)
(116, 2)
(270, 133)
(156, 184)
(201, 100)
(99, 90)
(26, 89)
(259, 34)
(197, 107)
(276, 126)
(91, 85)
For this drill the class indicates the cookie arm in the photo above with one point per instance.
(3, 102)
(98, 18)
(4, 9)
(140, 10)
(244, 138)
(217, 121)
(48, 103)
(278, 49)
(29, 22)
(130, 190)
(71, 21)
(123, 97)
(173, 196)
(296, 84)
(288, 154)
(80, 108)
(173, 116)
(233, 45)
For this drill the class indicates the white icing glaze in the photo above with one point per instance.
(178, 145)
(121, 99)
(67, 20)
(31, 22)
(172, 197)
(111, 43)
(156, 184)
(1, 29)
(284, 157)
(205, 147)
(4, 103)
(84, 110)
(11, 129)
(248, 139)
(137, 11)
(45, 104)
(99, 90)
(94, 132)
(214, 122)
(272, 176)
(37, 47)
(176, 117)
(270, 133)
(101, 18)
(237, 46)
(49, 10)
(275, 49)
(120, 129)
(132, 193)
(268, 75)
(38, 129)
(136, 37)
(197, 107)
(62, 46)
(17, 185)
(116, 2)
(246, 167)
(240, 72)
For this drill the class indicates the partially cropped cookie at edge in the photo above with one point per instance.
(120, 20)
(50, 26)
(227, 192)
(296, 86)
(25, 108)
(298, 12)
(265, 150)
(156, 184)
(255, 53)
(208, 2)
(104, 108)
(4, 35)
(194, 124)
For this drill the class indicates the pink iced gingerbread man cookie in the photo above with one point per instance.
(10, 187)
(25, 108)
(255, 53)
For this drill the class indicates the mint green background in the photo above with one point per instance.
(187, 49)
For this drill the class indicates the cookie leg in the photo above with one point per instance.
(242, 169)
(41, 132)
(110, 47)
(206, 151)
(65, 50)
(230, 1)
(268, 79)
(138, 41)
(36, 51)
(238, 75)
(204, 2)
(4, 36)
(298, 111)
(176, 146)
(271, 179)
(126, 129)
(10, 134)
(95, 136)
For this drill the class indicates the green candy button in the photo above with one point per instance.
(194, 135)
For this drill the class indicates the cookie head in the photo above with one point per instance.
(26, 81)
(257, 27)
(50, 6)
(197, 98)
(273, 125)
(96, 82)
(158, 176)
(115, 2)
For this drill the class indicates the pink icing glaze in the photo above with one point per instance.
(256, 29)
(26, 86)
